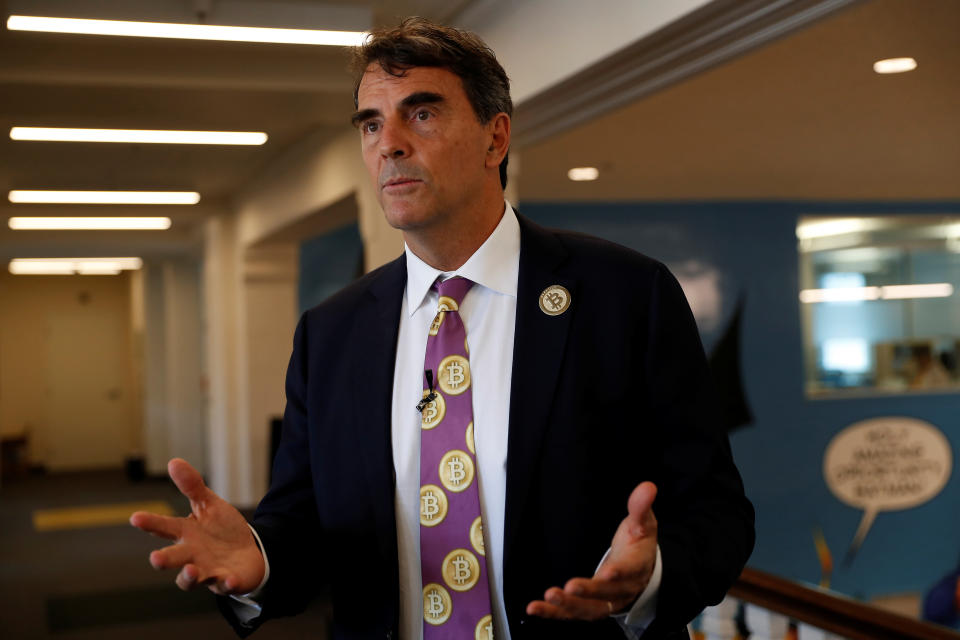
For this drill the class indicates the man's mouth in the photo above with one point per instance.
(397, 182)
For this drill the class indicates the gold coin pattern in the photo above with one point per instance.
(470, 445)
(484, 630)
(554, 300)
(433, 412)
(456, 470)
(444, 304)
(437, 605)
(433, 505)
(461, 570)
(476, 536)
(454, 375)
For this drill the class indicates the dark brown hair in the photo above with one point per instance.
(417, 42)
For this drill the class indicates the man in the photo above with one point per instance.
(588, 416)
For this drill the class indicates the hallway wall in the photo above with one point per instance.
(66, 369)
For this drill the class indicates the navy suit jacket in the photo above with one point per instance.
(604, 396)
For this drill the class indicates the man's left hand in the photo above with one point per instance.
(621, 578)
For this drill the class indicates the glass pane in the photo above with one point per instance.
(880, 304)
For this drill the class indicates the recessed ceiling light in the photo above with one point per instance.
(88, 223)
(186, 31)
(583, 174)
(895, 65)
(70, 266)
(56, 134)
(105, 197)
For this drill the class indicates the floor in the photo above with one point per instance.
(94, 582)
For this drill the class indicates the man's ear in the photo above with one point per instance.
(499, 132)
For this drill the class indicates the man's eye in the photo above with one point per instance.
(422, 115)
(370, 127)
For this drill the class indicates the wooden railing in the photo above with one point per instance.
(832, 612)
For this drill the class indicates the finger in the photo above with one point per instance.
(188, 577)
(163, 526)
(615, 591)
(172, 557)
(188, 480)
(561, 605)
(640, 510)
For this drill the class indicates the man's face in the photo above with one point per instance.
(423, 145)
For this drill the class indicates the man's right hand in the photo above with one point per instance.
(214, 545)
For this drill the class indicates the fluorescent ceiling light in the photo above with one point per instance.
(895, 65)
(888, 292)
(839, 294)
(901, 291)
(583, 174)
(836, 227)
(186, 31)
(89, 223)
(56, 134)
(70, 266)
(105, 197)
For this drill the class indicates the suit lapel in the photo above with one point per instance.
(377, 327)
(539, 344)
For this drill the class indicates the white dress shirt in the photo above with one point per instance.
(488, 312)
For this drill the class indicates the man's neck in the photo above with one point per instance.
(448, 250)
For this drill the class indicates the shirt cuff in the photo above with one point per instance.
(246, 606)
(644, 609)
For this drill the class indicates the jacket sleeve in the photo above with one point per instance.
(705, 522)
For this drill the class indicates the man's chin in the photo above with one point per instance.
(406, 217)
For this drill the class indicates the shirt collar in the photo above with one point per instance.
(495, 265)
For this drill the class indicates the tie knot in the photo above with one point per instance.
(454, 288)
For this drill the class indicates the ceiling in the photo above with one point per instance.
(804, 117)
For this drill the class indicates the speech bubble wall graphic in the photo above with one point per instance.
(886, 464)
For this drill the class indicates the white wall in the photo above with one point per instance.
(66, 369)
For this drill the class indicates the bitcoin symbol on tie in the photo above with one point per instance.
(484, 630)
(434, 605)
(461, 570)
(434, 411)
(433, 505)
(454, 375)
(457, 471)
(437, 604)
(555, 300)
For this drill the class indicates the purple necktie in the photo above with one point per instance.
(456, 597)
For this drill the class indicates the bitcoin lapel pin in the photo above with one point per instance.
(554, 300)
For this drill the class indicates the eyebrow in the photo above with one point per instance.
(412, 100)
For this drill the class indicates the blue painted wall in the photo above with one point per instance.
(754, 246)
(328, 263)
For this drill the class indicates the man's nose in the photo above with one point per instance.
(393, 143)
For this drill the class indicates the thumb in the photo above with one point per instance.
(640, 510)
(188, 480)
